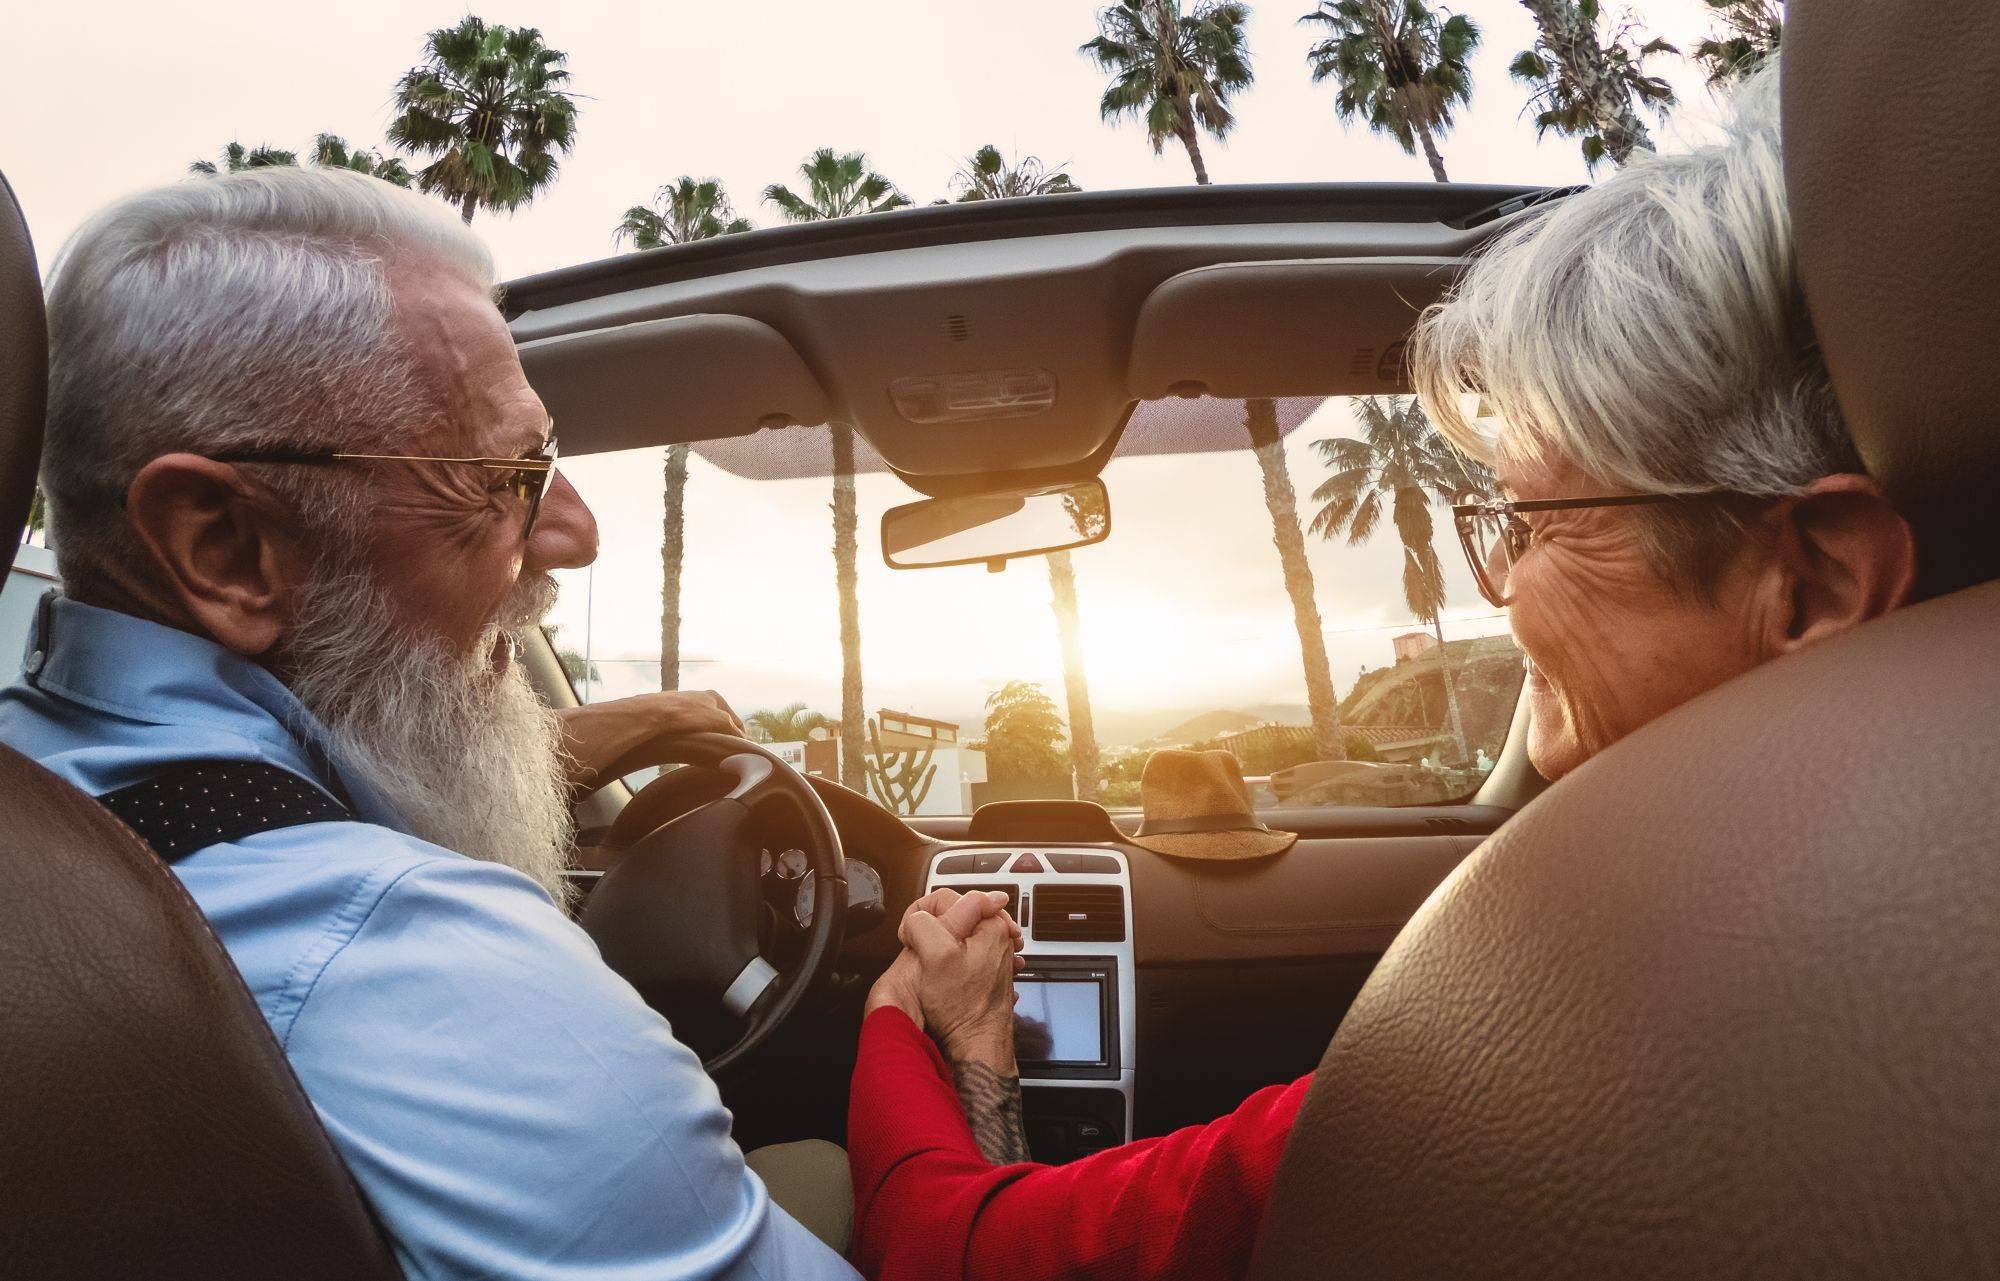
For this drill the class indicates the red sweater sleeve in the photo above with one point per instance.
(928, 1207)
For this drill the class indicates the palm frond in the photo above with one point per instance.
(489, 103)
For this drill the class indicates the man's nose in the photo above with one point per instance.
(565, 533)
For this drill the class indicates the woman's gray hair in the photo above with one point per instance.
(1651, 331)
(242, 311)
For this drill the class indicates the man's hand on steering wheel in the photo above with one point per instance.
(597, 736)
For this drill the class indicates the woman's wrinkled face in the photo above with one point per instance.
(1610, 643)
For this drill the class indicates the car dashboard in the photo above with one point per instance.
(1076, 1002)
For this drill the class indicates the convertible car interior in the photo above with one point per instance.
(1722, 1002)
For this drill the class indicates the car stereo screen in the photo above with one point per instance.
(1058, 1021)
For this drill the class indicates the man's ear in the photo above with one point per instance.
(1846, 556)
(221, 548)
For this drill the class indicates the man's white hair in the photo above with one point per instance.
(257, 310)
(1651, 331)
(245, 310)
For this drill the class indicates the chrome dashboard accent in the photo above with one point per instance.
(1030, 867)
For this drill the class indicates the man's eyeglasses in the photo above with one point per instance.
(1494, 535)
(528, 477)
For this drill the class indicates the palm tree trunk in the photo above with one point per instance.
(1580, 59)
(673, 545)
(853, 745)
(1450, 695)
(1431, 152)
(1261, 418)
(1191, 139)
(1083, 760)
(466, 206)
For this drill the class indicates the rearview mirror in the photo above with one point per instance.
(991, 529)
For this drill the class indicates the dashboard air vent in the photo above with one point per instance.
(1080, 914)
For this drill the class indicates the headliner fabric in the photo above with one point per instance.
(1158, 427)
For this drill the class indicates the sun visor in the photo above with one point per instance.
(1311, 327)
(682, 378)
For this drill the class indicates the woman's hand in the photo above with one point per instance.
(956, 977)
(899, 985)
(966, 955)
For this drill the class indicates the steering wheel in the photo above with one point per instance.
(677, 915)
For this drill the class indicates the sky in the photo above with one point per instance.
(120, 94)
(1183, 608)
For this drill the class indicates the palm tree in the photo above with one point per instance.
(841, 186)
(490, 103)
(792, 723)
(330, 151)
(236, 158)
(1261, 420)
(1398, 67)
(673, 552)
(1400, 457)
(1173, 70)
(1088, 515)
(836, 186)
(986, 175)
(846, 581)
(1584, 86)
(1750, 33)
(1176, 71)
(685, 210)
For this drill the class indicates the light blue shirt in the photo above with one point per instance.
(509, 1106)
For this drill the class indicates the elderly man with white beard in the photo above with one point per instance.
(300, 494)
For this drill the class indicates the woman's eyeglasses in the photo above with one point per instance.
(528, 477)
(1494, 535)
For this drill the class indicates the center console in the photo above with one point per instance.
(1075, 1025)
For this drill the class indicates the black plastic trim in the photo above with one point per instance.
(1458, 205)
(1328, 823)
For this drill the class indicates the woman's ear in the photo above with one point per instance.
(220, 547)
(1846, 555)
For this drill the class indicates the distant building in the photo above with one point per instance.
(958, 768)
(1412, 645)
(907, 729)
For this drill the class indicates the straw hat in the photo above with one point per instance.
(1196, 806)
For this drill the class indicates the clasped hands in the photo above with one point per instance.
(955, 976)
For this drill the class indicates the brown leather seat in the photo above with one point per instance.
(149, 1123)
(1726, 1001)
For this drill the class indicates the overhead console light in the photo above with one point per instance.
(977, 397)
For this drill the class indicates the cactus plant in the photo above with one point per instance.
(900, 780)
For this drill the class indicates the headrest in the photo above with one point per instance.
(24, 373)
(1889, 132)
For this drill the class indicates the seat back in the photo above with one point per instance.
(1720, 1003)
(24, 356)
(1723, 1001)
(149, 1123)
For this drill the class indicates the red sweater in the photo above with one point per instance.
(928, 1207)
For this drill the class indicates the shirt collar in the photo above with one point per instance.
(154, 674)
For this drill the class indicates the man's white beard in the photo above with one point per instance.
(464, 756)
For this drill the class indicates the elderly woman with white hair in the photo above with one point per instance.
(1678, 503)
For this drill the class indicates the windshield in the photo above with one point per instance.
(1057, 677)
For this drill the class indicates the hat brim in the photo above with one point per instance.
(1244, 843)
